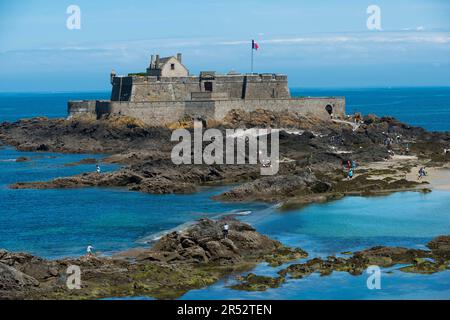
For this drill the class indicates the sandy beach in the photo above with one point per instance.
(437, 177)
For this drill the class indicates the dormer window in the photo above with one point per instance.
(172, 66)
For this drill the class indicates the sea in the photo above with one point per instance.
(62, 223)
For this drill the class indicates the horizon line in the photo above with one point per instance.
(290, 88)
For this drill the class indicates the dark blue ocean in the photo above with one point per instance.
(59, 223)
(424, 107)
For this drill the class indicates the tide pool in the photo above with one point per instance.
(409, 219)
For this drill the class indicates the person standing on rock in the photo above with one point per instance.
(225, 229)
(350, 174)
(97, 168)
(89, 251)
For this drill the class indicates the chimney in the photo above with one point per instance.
(179, 57)
(112, 75)
(152, 62)
(157, 62)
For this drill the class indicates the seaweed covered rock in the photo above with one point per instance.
(253, 282)
(204, 242)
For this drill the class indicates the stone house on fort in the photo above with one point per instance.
(166, 92)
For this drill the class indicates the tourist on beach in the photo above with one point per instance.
(225, 229)
(422, 173)
(98, 169)
(89, 251)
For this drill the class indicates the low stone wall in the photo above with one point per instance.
(159, 113)
(152, 113)
(81, 107)
(316, 107)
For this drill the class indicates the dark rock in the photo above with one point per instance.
(253, 282)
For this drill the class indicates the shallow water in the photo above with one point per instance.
(405, 218)
(338, 286)
(409, 219)
(63, 222)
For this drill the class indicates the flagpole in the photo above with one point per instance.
(251, 70)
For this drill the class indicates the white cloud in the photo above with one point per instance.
(386, 37)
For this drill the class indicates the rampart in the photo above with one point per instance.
(157, 113)
(158, 97)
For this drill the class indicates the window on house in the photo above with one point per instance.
(172, 66)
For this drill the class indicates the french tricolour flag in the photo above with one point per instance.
(255, 46)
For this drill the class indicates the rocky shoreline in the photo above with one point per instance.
(436, 259)
(313, 154)
(196, 258)
(177, 263)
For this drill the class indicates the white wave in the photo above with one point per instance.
(181, 227)
(158, 235)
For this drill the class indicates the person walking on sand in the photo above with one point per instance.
(421, 173)
(225, 229)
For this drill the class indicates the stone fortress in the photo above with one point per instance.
(167, 93)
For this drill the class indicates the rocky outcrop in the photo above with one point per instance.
(178, 262)
(273, 188)
(311, 153)
(417, 261)
(195, 258)
(253, 282)
(205, 243)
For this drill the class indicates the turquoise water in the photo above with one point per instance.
(59, 223)
(338, 286)
(407, 219)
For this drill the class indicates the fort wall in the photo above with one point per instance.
(81, 107)
(152, 88)
(316, 107)
(158, 113)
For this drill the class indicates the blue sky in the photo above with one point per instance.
(317, 43)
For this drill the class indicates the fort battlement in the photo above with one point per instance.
(167, 93)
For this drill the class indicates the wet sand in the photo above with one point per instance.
(437, 177)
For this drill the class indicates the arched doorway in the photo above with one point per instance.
(329, 109)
